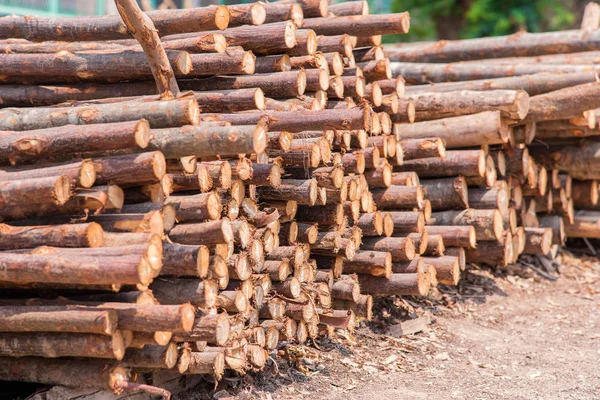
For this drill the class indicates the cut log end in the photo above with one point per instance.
(222, 17)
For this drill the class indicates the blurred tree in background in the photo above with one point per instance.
(461, 19)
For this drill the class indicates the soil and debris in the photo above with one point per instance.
(519, 334)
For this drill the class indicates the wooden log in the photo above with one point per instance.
(52, 190)
(491, 252)
(81, 172)
(447, 269)
(398, 197)
(346, 289)
(512, 104)
(469, 163)
(302, 191)
(400, 248)
(306, 43)
(212, 232)
(487, 223)
(53, 345)
(64, 372)
(65, 67)
(205, 142)
(493, 198)
(555, 105)
(446, 193)
(185, 260)
(584, 225)
(585, 194)
(522, 44)
(207, 363)
(398, 285)
(349, 8)
(364, 25)
(231, 100)
(159, 114)
(456, 236)
(369, 262)
(424, 73)
(423, 148)
(276, 12)
(71, 235)
(202, 293)
(435, 246)
(19, 147)
(278, 84)
(362, 308)
(461, 131)
(29, 268)
(111, 27)
(574, 159)
(538, 240)
(277, 63)
(533, 84)
(302, 120)
(336, 43)
(246, 14)
(143, 29)
(57, 319)
(407, 221)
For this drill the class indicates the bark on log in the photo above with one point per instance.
(64, 372)
(398, 285)
(469, 163)
(495, 253)
(206, 142)
(533, 84)
(142, 28)
(521, 44)
(57, 319)
(512, 104)
(53, 345)
(302, 191)
(29, 268)
(206, 233)
(487, 223)
(401, 248)
(423, 148)
(423, 73)
(302, 120)
(369, 262)
(563, 103)
(111, 27)
(362, 25)
(538, 241)
(19, 147)
(72, 235)
(201, 293)
(455, 236)
(398, 197)
(463, 131)
(447, 269)
(407, 221)
(159, 114)
(446, 193)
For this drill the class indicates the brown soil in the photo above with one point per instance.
(493, 337)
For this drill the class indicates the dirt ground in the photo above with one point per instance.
(493, 337)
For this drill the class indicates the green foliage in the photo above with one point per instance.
(454, 19)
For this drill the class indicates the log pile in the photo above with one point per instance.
(178, 204)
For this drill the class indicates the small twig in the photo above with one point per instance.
(590, 246)
(144, 388)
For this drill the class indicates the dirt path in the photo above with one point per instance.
(505, 338)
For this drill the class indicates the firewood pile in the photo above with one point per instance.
(181, 203)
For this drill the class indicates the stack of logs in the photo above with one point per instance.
(273, 178)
